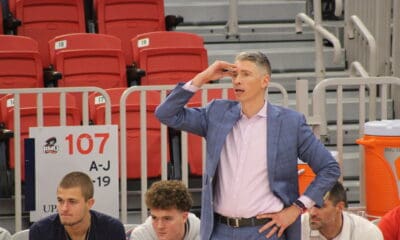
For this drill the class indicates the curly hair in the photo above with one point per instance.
(169, 194)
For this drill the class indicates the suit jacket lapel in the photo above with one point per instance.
(229, 119)
(273, 131)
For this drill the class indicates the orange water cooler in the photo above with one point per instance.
(381, 143)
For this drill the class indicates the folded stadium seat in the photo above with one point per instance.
(128, 18)
(169, 57)
(28, 111)
(20, 63)
(86, 59)
(97, 114)
(42, 20)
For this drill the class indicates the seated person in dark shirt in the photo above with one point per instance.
(75, 220)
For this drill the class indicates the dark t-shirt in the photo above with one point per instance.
(102, 227)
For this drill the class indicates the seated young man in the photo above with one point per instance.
(331, 221)
(75, 220)
(169, 203)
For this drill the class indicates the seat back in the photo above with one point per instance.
(86, 59)
(126, 19)
(20, 63)
(42, 20)
(28, 116)
(163, 39)
(133, 123)
(169, 57)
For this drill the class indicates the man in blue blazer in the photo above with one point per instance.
(250, 183)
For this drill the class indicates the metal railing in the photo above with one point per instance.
(319, 33)
(366, 40)
(362, 82)
(376, 17)
(232, 26)
(40, 122)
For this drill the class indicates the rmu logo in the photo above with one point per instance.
(50, 146)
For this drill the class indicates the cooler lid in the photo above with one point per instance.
(382, 128)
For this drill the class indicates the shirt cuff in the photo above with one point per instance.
(308, 202)
(190, 87)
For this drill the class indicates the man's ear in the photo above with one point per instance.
(90, 202)
(341, 205)
(266, 79)
(185, 216)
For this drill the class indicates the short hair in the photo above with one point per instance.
(337, 194)
(81, 180)
(257, 57)
(167, 194)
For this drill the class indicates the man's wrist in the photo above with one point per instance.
(302, 208)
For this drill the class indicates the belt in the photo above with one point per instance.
(240, 222)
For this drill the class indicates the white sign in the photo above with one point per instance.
(90, 149)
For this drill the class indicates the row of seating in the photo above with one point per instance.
(85, 59)
(28, 118)
(43, 20)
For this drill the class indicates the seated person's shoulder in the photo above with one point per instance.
(194, 227)
(107, 221)
(4, 234)
(143, 231)
(365, 227)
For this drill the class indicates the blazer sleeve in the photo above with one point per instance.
(315, 154)
(173, 113)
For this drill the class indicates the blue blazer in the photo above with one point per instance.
(288, 138)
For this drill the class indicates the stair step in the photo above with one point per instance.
(217, 11)
(284, 59)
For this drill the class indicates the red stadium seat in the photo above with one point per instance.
(42, 20)
(126, 19)
(169, 57)
(97, 113)
(86, 59)
(28, 111)
(20, 64)
(163, 39)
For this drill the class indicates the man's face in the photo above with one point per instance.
(326, 216)
(169, 224)
(71, 205)
(249, 81)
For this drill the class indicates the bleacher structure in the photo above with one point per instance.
(338, 67)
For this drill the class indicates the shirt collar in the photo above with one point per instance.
(262, 113)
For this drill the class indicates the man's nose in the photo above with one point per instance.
(160, 224)
(312, 211)
(63, 206)
(236, 80)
